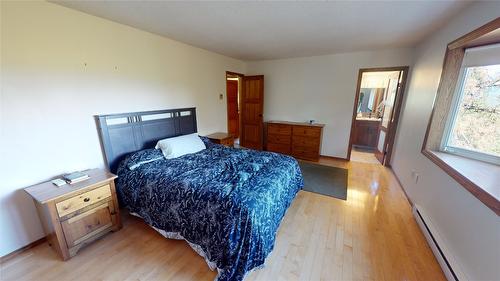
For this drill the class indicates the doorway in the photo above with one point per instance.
(379, 95)
(233, 85)
(245, 105)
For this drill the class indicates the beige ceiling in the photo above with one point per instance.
(271, 30)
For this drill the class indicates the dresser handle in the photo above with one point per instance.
(86, 199)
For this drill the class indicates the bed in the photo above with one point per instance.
(226, 203)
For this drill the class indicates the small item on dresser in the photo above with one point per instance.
(75, 177)
(58, 182)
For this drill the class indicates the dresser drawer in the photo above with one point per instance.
(305, 141)
(298, 148)
(83, 200)
(278, 139)
(305, 152)
(307, 155)
(307, 131)
(280, 148)
(279, 129)
(86, 225)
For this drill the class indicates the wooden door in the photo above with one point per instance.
(252, 107)
(233, 118)
(381, 144)
(388, 124)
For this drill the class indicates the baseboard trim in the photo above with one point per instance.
(334, 158)
(22, 249)
(401, 186)
(445, 258)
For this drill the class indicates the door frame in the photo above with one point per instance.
(396, 109)
(231, 73)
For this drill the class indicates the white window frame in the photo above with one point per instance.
(450, 124)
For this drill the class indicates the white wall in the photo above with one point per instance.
(49, 97)
(469, 229)
(322, 88)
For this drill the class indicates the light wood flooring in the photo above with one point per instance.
(371, 236)
(363, 156)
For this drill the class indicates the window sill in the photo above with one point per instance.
(479, 178)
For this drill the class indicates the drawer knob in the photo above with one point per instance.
(86, 199)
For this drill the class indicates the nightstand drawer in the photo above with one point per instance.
(227, 142)
(83, 200)
(86, 225)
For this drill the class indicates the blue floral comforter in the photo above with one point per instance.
(228, 201)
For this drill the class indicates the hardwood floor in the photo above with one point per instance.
(371, 236)
(364, 156)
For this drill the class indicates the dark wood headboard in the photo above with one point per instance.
(125, 133)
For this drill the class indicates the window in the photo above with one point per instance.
(473, 126)
(463, 133)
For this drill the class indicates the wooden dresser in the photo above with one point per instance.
(301, 140)
(74, 215)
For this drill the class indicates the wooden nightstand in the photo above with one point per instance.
(222, 138)
(74, 215)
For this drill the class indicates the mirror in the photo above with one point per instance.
(369, 101)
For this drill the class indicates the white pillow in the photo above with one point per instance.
(181, 145)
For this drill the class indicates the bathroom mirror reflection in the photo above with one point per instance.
(369, 102)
